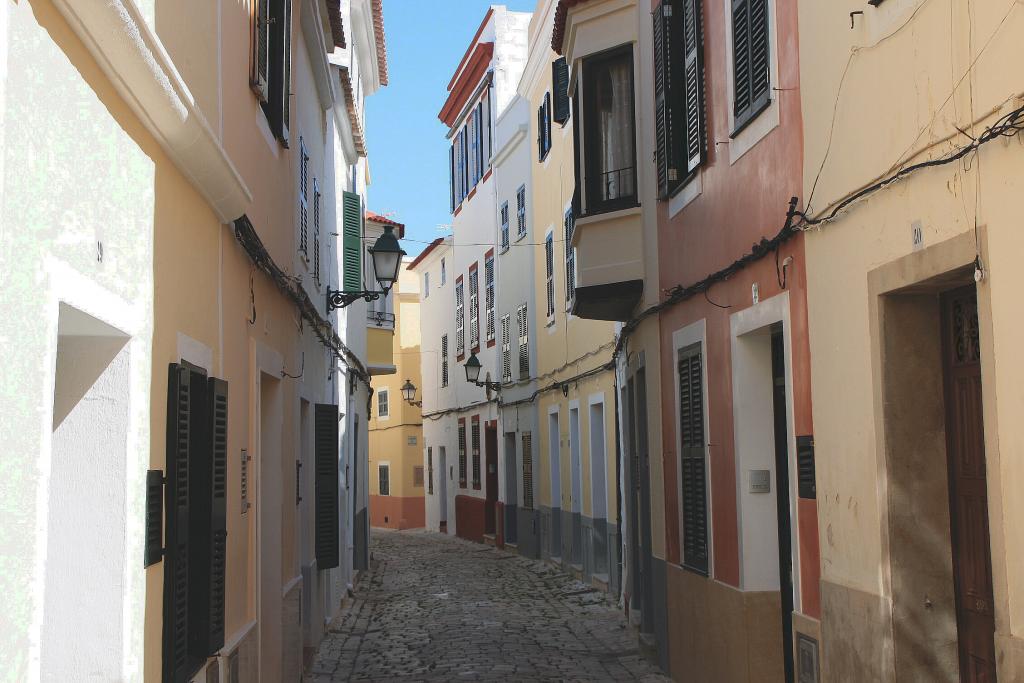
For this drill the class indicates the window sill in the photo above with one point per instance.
(520, 236)
(749, 118)
(626, 209)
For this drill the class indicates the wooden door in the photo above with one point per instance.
(968, 495)
(491, 460)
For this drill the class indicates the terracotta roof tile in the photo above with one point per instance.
(378, 32)
(353, 116)
(384, 220)
(337, 27)
(558, 33)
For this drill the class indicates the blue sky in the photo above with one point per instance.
(406, 144)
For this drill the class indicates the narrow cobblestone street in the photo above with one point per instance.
(433, 607)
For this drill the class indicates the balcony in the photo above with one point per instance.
(610, 265)
(380, 320)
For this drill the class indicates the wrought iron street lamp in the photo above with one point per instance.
(473, 368)
(409, 394)
(387, 255)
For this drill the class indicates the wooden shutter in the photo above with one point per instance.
(549, 270)
(669, 113)
(540, 133)
(506, 349)
(474, 308)
(547, 123)
(417, 476)
(451, 174)
(806, 484)
(693, 83)
(475, 433)
(303, 198)
(751, 79)
(527, 471)
(176, 564)
(316, 232)
(560, 86)
(444, 360)
(154, 549)
(352, 242)
(383, 480)
(460, 318)
(570, 258)
(489, 297)
(286, 79)
(328, 519)
(692, 456)
(259, 79)
(521, 210)
(430, 470)
(462, 452)
(524, 342)
(217, 397)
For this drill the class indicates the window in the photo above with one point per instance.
(504, 226)
(521, 211)
(692, 457)
(678, 91)
(751, 75)
(411, 441)
(270, 75)
(384, 479)
(382, 403)
(196, 533)
(544, 128)
(316, 232)
(444, 272)
(462, 452)
(475, 433)
(417, 476)
(609, 131)
(570, 257)
(489, 296)
(560, 88)
(444, 361)
(524, 343)
(426, 285)
(549, 271)
(527, 471)
(474, 308)
(470, 153)
(506, 349)
(303, 198)
(460, 319)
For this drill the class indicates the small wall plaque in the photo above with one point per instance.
(760, 481)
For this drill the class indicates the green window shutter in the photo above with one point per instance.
(176, 560)
(751, 78)
(352, 242)
(669, 114)
(286, 81)
(217, 397)
(560, 86)
(259, 80)
(693, 461)
(327, 513)
(693, 82)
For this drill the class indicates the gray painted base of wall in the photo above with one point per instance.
(659, 591)
(528, 540)
(596, 545)
(360, 541)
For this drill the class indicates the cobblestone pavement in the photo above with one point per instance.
(437, 608)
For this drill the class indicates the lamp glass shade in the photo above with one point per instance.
(409, 391)
(387, 256)
(473, 369)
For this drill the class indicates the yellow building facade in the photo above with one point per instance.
(576, 470)
(398, 475)
(914, 332)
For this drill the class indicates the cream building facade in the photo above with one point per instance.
(399, 474)
(183, 278)
(913, 320)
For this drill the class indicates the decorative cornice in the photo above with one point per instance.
(558, 33)
(133, 58)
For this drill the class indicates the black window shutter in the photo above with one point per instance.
(669, 110)
(692, 447)
(540, 133)
(217, 393)
(260, 78)
(807, 488)
(693, 83)
(328, 520)
(176, 574)
(547, 122)
(154, 550)
(560, 86)
(751, 80)
(451, 174)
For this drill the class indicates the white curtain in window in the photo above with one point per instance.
(614, 98)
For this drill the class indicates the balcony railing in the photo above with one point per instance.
(380, 319)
